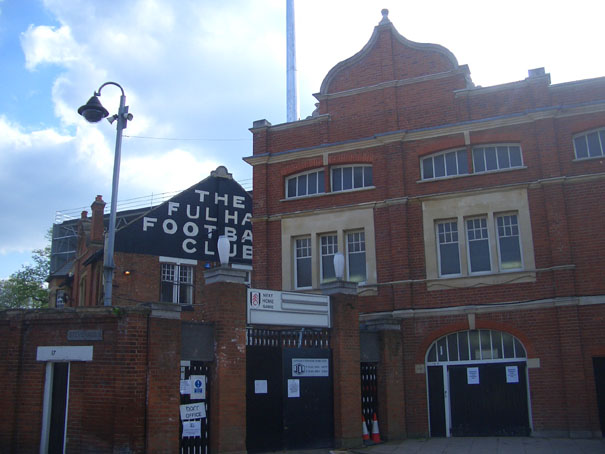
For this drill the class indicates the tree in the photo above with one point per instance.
(27, 288)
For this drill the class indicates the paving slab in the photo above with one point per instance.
(488, 445)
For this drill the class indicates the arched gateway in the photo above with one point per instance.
(477, 385)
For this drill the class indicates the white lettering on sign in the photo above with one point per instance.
(173, 207)
(208, 217)
(193, 411)
(202, 194)
(169, 226)
(310, 367)
(189, 246)
(223, 198)
(238, 201)
(197, 212)
(190, 229)
(149, 222)
(197, 226)
(60, 353)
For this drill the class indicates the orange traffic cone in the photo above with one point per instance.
(375, 431)
(364, 427)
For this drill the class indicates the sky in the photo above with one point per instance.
(198, 73)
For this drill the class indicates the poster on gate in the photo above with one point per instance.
(192, 429)
(198, 386)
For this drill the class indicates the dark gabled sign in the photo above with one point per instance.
(189, 224)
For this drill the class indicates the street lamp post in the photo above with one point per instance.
(93, 111)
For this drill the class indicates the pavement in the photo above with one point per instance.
(487, 445)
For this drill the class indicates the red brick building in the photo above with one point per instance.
(470, 219)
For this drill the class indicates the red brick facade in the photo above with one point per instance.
(126, 397)
(392, 105)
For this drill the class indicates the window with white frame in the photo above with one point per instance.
(447, 164)
(310, 241)
(590, 144)
(509, 245)
(496, 157)
(478, 245)
(328, 247)
(449, 251)
(346, 178)
(305, 184)
(356, 256)
(302, 263)
(461, 231)
(176, 283)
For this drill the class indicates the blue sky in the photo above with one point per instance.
(197, 73)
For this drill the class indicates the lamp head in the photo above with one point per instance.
(93, 110)
(339, 265)
(223, 247)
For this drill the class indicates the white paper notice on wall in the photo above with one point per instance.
(293, 387)
(192, 429)
(198, 386)
(512, 374)
(193, 411)
(472, 375)
(185, 387)
(260, 386)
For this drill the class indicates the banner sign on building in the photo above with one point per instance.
(188, 225)
(310, 367)
(271, 307)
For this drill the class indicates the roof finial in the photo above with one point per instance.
(385, 17)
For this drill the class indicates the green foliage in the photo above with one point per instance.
(27, 288)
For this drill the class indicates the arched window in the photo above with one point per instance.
(475, 345)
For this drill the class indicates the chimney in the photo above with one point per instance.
(97, 229)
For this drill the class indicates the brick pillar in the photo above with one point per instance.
(224, 305)
(573, 373)
(391, 399)
(164, 375)
(347, 377)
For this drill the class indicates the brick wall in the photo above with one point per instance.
(107, 396)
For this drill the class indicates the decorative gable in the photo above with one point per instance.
(392, 57)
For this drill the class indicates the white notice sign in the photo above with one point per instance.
(62, 353)
(193, 411)
(192, 429)
(310, 367)
(185, 387)
(472, 375)
(198, 386)
(293, 387)
(260, 386)
(512, 374)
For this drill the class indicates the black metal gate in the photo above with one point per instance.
(289, 395)
(599, 378)
(436, 401)
(199, 371)
(369, 392)
(490, 405)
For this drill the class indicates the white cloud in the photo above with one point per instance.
(166, 172)
(13, 138)
(46, 44)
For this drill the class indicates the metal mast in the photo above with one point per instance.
(291, 86)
